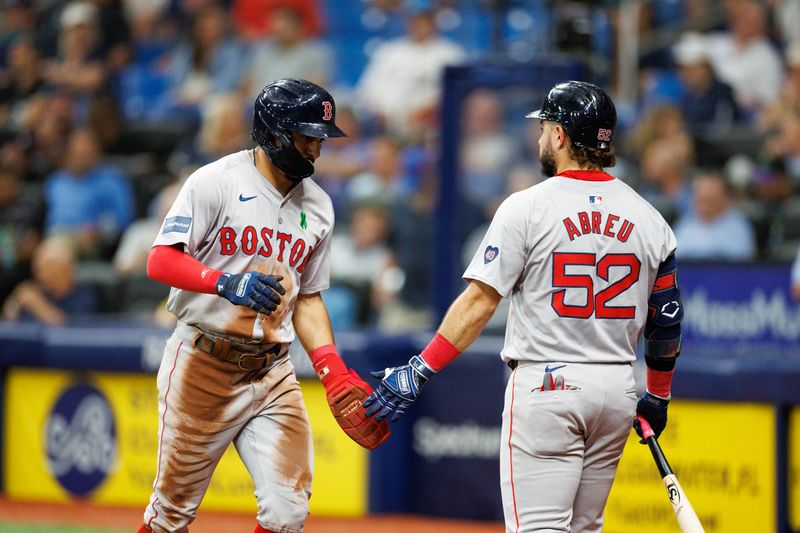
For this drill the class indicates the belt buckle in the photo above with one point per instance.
(262, 358)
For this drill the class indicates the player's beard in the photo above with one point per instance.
(548, 160)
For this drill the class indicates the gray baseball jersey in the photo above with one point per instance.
(578, 258)
(232, 219)
(578, 255)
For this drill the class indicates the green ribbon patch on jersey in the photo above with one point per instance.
(303, 223)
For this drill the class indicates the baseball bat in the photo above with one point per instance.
(687, 518)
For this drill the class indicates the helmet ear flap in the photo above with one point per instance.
(280, 149)
(266, 134)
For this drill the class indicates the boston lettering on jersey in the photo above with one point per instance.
(593, 223)
(295, 252)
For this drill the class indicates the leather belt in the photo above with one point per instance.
(512, 364)
(222, 350)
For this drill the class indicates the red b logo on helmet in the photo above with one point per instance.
(604, 134)
(327, 110)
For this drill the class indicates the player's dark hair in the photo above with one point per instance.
(593, 156)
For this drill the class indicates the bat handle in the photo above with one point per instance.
(647, 431)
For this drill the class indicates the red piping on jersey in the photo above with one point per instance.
(587, 175)
(161, 437)
(510, 457)
(172, 266)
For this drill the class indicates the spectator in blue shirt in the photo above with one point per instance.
(714, 230)
(707, 104)
(85, 200)
(208, 62)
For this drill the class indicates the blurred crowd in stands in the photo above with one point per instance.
(106, 106)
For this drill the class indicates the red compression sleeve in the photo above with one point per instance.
(439, 352)
(327, 362)
(659, 382)
(182, 271)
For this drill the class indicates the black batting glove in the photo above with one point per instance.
(653, 409)
(260, 292)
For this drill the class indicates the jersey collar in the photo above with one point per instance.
(587, 175)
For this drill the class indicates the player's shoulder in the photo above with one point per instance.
(520, 201)
(212, 172)
(526, 199)
(226, 164)
(313, 194)
(642, 203)
(533, 194)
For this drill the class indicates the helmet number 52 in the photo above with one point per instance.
(596, 304)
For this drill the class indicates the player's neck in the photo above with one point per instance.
(571, 164)
(271, 173)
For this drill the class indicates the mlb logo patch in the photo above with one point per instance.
(490, 254)
(595, 199)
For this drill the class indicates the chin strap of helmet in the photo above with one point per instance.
(285, 156)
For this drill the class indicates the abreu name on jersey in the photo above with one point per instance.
(593, 222)
(294, 252)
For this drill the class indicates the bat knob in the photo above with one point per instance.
(647, 431)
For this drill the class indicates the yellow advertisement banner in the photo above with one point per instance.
(94, 435)
(724, 457)
(794, 468)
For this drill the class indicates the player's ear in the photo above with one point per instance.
(560, 135)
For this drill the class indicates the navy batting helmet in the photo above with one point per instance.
(585, 110)
(290, 105)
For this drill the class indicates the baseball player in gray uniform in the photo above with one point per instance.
(246, 249)
(589, 266)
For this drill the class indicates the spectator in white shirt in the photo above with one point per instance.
(402, 81)
(288, 53)
(744, 58)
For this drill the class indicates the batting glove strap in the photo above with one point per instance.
(423, 370)
(221, 281)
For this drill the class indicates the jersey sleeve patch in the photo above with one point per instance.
(490, 254)
(177, 225)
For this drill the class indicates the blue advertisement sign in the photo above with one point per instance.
(739, 311)
(81, 439)
(455, 438)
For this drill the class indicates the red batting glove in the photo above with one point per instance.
(327, 363)
(346, 392)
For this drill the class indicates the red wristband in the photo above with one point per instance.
(439, 352)
(659, 382)
(327, 363)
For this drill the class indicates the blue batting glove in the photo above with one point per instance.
(653, 409)
(260, 292)
(398, 389)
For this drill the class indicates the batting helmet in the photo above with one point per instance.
(585, 110)
(290, 105)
